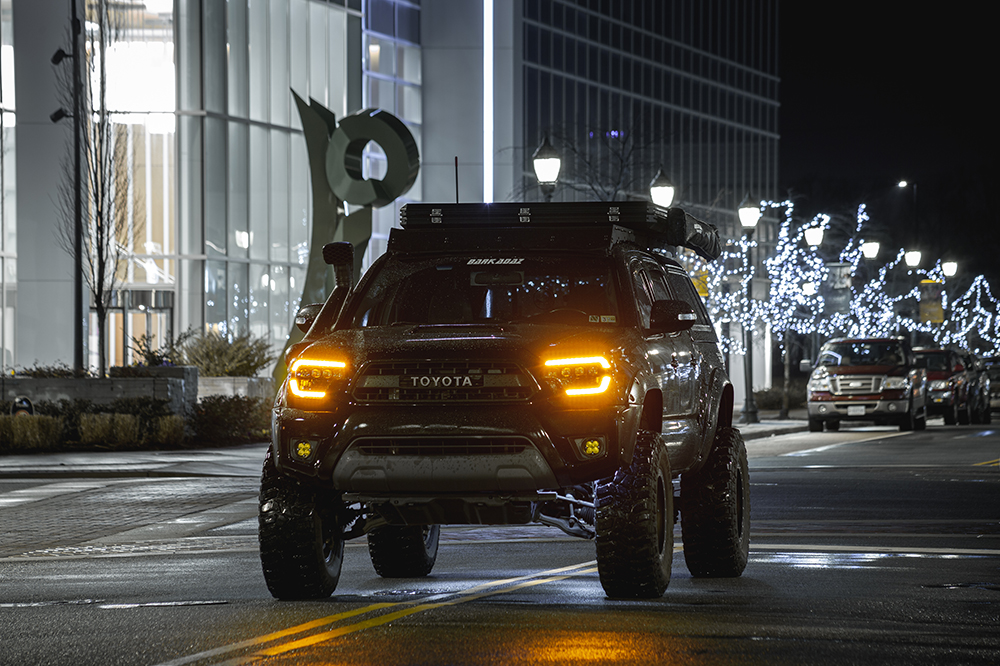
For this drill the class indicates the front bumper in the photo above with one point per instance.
(866, 408)
(431, 450)
(940, 402)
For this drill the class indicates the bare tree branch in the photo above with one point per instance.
(105, 173)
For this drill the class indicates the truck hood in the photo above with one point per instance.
(891, 370)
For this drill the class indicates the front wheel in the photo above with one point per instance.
(635, 524)
(951, 415)
(301, 543)
(404, 552)
(715, 510)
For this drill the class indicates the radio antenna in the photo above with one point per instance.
(456, 178)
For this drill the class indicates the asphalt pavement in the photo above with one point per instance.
(236, 461)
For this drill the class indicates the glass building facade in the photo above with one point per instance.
(688, 85)
(8, 189)
(219, 214)
(244, 211)
(392, 76)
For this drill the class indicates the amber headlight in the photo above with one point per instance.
(588, 375)
(311, 378)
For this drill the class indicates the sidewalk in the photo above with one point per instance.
(237, 461)
(770, 424)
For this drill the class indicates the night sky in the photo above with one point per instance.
(874, 92)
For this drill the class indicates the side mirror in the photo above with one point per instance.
(671, 316)
(959, 367)
(306, 315)
(806, 365)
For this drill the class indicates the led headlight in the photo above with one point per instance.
(896, 383)
(588, 375)
(820, 380)
(939, 385)
(311, 378)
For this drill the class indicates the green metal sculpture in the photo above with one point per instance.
(335, 164)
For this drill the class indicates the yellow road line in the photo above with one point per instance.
(389, 617)
(475, 592)
(267, 638)
(989, 463)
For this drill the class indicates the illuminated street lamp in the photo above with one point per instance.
(949, 268)
(870, 249)
(661, 190)
(912, 258)
(749, 213)
(547, 163)
(813, 236)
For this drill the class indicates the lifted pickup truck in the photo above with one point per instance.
(509, 364)
(867, 379)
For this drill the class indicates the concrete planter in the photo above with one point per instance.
(251, 387)
(175, 390)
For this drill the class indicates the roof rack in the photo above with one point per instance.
(655, 225)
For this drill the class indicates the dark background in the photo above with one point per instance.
(874, 92)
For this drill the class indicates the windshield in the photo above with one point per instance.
(490, 290)
(862, 353)
(937, 362)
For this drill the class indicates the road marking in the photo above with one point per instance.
(475, 592)
(876, 549)
(389, 617)
(989, 463)
(186, 525)
(43, 492)
(819, 449)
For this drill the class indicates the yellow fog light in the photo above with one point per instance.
(590, 447)
(303, 449)
(583, 375)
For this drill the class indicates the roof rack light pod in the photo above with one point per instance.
(655, 224)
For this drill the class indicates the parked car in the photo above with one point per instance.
(993, 372)
(947, 386)
(978, 389)
(867, 379)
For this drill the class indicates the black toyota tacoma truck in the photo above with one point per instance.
(507, 364)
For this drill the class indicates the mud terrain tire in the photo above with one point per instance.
(404, 552)
(715, 510)
(635, 524)
(301, 544)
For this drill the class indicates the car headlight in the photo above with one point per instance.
(311, 378)
(586, 375)
(939, 385)
(892, 383)
(820, 380)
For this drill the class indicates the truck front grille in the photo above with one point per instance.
(856, 384)
(442, 381)
(440, 446)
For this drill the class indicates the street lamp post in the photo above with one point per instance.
(546, 162)
(749, 214)
(79, 315)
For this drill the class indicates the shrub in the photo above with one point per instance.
(22, 433)
(168, 432)
(57, 371)
(773, 397)
(221, 419)
(215, 356)
(170, 354)
(112, 431)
